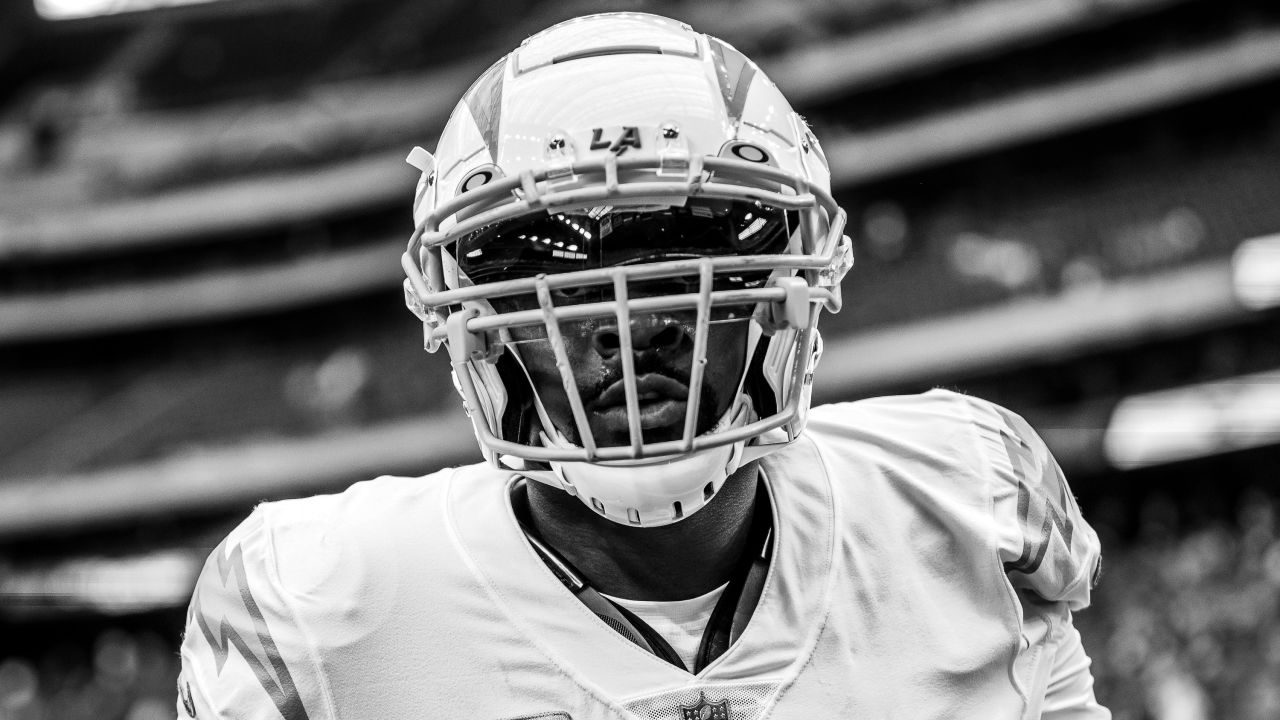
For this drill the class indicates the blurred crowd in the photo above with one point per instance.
(1186, 621)
(1185, 626)
(120, 675)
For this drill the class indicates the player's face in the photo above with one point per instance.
(663, 356)
(662, 343)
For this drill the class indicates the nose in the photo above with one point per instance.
(660, 334)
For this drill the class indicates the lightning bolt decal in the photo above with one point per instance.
(254, 643)
(1043, 505)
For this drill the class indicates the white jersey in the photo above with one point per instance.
(927, 558)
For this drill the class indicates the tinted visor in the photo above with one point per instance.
(603, 237)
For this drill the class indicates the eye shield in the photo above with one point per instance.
(601, 237)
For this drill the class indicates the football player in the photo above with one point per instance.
(624, 241)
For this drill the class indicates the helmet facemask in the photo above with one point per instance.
(663, 352)
(528, 281)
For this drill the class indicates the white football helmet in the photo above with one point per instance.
(605, 154)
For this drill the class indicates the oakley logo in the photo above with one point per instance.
(750, 153)
(476, 180)
(630, 137)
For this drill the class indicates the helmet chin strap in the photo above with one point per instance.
(657, 491)
(652, 492)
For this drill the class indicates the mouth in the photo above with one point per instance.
(663, 401)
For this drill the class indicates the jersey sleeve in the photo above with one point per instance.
(1045, 544)
(244, 655)
(1069, 695)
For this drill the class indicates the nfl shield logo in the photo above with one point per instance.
(703, 710)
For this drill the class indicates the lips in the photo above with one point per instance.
(662, 403)
(650, 387)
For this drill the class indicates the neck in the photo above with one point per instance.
(673, 562)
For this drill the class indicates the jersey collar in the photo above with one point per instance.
(774, 645)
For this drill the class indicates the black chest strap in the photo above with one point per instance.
(731, 614)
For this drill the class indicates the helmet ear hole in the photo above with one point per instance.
(519, 421)
(756, 386)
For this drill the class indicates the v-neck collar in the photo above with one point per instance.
(773, 646)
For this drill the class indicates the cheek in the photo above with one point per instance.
(726, 357)
(540, 361)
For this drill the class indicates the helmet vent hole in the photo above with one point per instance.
(677, 510)
(600, 52)
(599, 506)
(708, 491)
(633, 516)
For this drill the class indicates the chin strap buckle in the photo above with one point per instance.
(792, 311)
(547, 477)
(466, 344)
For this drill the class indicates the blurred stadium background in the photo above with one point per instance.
(1071, 207)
